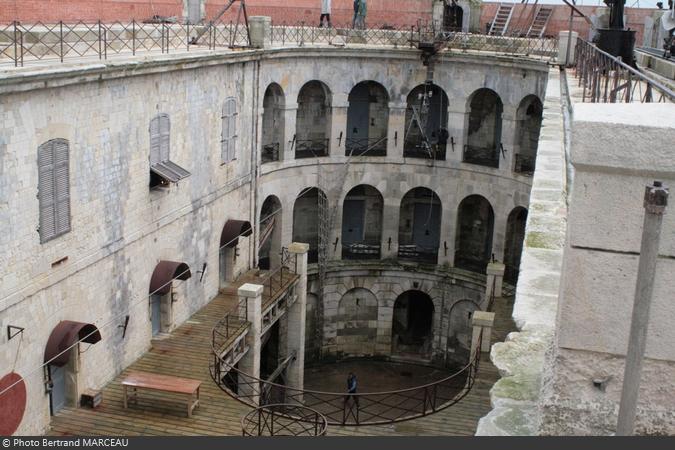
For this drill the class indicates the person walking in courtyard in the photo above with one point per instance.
(325, 13)
(357, 3)
(361, 18)
(351, 389)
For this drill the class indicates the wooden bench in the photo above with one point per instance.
(166, 383)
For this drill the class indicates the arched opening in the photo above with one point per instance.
(362, 223)
(483, 143)
(475, 223)
(426, 123)
(269, 246)
(228, 250)
(419, 230)
(273, 123)
(513, 247)
(313, 120)
(357, 322)
(528, 127)
(367, 120)
(453, 17)
(460, 331)
(306, 221)
(412, 324)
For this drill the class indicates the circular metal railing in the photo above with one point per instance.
(283, 419)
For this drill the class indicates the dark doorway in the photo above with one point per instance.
(473, 244)
(313, 120)
(419, 231)
(362, 223)
(484, 129)
(412, 324)
(306, 221)
(453, 17)
(269, 246)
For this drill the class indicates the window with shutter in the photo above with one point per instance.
(53, 189)
(229, 132)
(162, 170)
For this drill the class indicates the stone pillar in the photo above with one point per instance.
(250, 362)
(495, 276)
(396, 130)
(391, 212)
(338, 125)
(508, 140)
(295, 316)
(260, 30)
(287, 150)
(456, 119)
(481, 321)
(564, 39)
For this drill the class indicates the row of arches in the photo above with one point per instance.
(426, 124)
(410, 325)
(419, 228)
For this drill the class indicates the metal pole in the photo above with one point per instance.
(656, 200)
(569, 39)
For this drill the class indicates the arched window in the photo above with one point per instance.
(54, 189)
(228, 142)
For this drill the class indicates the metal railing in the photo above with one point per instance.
(340, 408)
(483, 156)
(524, 164)
(419, 150)
(361, 250)
(414, 252)
(282, 419)
(311, 148)
(276, 281)
(606, 79)
(366, 147)
(270, 152)
(21, 43)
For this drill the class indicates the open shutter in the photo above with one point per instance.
(46, 191)
(154, 141)
(164, 137)
(61, 186)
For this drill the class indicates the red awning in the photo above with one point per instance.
(64, 335)
(232, 230)
(164, 274)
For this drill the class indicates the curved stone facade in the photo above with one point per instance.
(99, 272)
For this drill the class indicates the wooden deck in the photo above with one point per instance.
(187, 353)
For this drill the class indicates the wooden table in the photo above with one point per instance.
(166, 383)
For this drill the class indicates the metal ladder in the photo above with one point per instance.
(501, 21)
(540, 22)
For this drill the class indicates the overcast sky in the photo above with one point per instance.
(629, 3)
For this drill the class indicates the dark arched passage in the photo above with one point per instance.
(367, 120)
(306, 221)
(426, 123)
(313, 120)
(528, 127)
(273, 123)
(513, 247)
(269, 245)
(483, 142)
(419, 230)
(362, 223)
(475, 223)
(412, 324)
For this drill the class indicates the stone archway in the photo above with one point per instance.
(412, 325)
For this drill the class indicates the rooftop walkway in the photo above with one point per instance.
(186, 353)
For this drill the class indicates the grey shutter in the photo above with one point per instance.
(229, 139)
(61, 186)
(46, 191)
(154, 141)
(225, 135)
(233, 130)
(164, 137)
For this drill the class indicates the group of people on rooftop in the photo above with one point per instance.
(358, 21)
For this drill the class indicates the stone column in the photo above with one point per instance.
(564, 38)
(437, 12)
(508, 139)
(295, 316)
(286, 148)
(260, 30)
(456, 119)
(495, 276)
(338, 124)
(481, 321)
(396, 129)
(391, 212)
(250, 362)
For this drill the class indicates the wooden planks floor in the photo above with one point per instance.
(187, 352)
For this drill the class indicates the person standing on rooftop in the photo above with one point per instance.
(363, 10)
(357, 3)
(325, 12)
